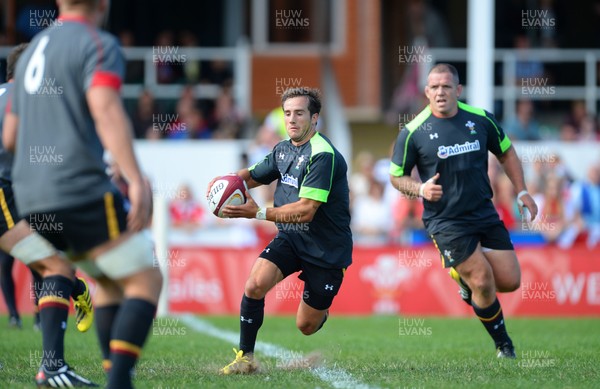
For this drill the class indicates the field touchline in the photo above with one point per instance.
(336, 377)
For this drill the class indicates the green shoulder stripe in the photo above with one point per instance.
(474, 110)
(504, 143)
(418, 120)
(319, 145)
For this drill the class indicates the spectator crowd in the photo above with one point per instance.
(569, 208)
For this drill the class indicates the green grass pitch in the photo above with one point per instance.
(377, 351)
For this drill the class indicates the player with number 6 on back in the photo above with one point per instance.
(311, 211)
(448, 142)
(10, 216)
(66, 110)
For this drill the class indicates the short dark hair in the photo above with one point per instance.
(446, 68)
(313, 95)
(13, 57)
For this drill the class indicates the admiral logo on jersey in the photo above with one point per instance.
(290, 180)
(449, 151)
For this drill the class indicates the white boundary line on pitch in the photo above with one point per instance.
(336, 377)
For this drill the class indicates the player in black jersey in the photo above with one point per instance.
(311, 211)
(448, 142)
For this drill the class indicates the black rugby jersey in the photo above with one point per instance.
(457, 148)
(317, 171)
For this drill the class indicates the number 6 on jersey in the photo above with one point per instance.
(34, 73)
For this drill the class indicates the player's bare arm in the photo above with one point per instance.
(430, 191)
(245, 174)
(514, 170)
(406, 185)
(301, 211)
(114, 129)
(9, 131)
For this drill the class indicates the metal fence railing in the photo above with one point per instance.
(239, 56)
(509, 91)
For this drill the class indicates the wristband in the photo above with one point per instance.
(422, 190)
(261, 214)
(521, 193)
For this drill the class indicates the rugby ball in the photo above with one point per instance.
(226, 190)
